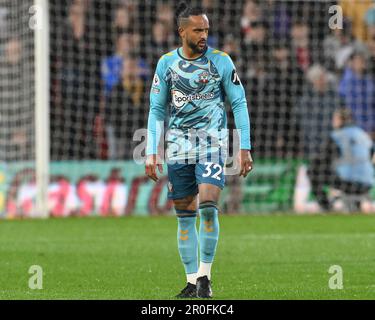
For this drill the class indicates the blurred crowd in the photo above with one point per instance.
(16, 84)
(296, 69)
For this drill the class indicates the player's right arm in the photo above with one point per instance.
(159, 96)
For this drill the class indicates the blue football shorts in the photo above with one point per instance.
(184, 178)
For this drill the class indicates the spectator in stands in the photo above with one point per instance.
(284, 84)
(278, 15)
(159, 43)
(370, 21)
(255, 45)
(251, 12)
(15, 95)
(315, 109)
(4, 24)
(212, 9)
(112, 66)
(356, 11)
(13, 52)
(348, 151)
(256, 83)
(255, 49)
(357, 88)
(370, 17)
(80, 87)
(122, 21)
(165, 14)
(126, 109)
(339, 46)
(371, 48)
(301, 44)
(231, 46)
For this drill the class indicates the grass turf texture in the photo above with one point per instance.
(259, 257)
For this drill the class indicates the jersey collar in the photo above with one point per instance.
(182, 57)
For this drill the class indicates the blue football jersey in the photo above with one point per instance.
(194, 92)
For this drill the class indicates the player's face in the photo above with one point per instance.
(336, 121)
(195, 33)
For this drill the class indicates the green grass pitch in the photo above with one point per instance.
(258, 257)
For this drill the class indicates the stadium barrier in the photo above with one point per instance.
(120, 188)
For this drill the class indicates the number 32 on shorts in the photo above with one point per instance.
(213, 170)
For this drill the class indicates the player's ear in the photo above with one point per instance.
(181, 32)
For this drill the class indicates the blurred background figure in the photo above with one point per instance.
(126, 109)
(231, 45)
(301, 46)
(338, 47)
(4, 11)
(251, 12)
(112, 66)
(370, 21)
(256, 43)
(15, 133)
(357, 88)
(159, 41)
(315, 109)
(165, 14)
(279, 16)
(76, 55)
(214, 11)
(356, 11)
(343, 161)
(284, 86)
(122, 21)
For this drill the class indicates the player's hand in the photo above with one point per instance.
(246, 162)
(152, 162)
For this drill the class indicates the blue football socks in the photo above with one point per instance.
(208, 231)
(187, 239)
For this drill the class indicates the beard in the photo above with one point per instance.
(195, 47)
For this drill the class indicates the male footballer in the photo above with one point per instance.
(194, 81)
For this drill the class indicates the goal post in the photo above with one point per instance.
(42, 100)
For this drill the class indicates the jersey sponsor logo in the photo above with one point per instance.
(179, 99)
(156, 80)
(235, 78)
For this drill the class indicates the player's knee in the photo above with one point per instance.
(208, 210)
(187, 222)
(187, 203)
(209, 193)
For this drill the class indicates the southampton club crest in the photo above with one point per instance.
(204, 77)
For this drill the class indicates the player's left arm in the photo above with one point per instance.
(235, 92)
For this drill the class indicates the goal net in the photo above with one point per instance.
(16, 82)
(299, 61)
